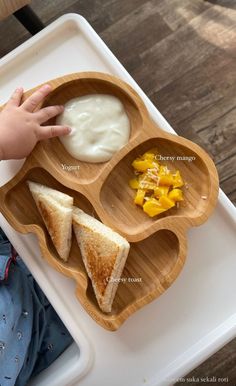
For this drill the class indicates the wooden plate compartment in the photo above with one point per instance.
(117, 197)
(88, 172)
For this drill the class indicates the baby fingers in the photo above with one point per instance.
(16, 97)
(45, 132)
(36, 98)
(47, 113)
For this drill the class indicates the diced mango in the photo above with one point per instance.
(166, 202)
(142, 165)
(178, 181)
(161, 191)
(139, 198)
(144, 182)
(151, 153)
(134, 183)
(148, 156)
(164, 170)
(153, 208)
(166, 180)
(156, 186)
(176, 195)
(147, 185)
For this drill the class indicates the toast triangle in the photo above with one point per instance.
(104, 253)
(56, 210)
(62, 198)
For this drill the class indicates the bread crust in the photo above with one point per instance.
(56, 216)
(51, 215)
(104, 258)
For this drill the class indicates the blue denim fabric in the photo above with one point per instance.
(32, 335)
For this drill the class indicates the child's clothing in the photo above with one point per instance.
(32, 335)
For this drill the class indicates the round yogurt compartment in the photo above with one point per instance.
(100, 127)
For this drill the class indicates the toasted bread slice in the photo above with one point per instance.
(56, 210)
(62, 198)
(104, 253)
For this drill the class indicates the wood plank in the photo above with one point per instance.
(214, 127)
(191, 45)
(223, 3)
(200, 87)
(12, 34)
(226, 168)
(226, 165)
(132, 34)
(229, 187)
(177, 13)
(232, 197)
(192, 135)
(221, 136)
(217, 111)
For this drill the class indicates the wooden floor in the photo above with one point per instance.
(183, 54)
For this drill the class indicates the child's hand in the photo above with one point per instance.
(21, 127)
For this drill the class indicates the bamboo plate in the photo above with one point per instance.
(158, 245)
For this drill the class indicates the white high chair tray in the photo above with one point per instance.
(172, 335)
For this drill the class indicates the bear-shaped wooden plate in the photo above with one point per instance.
(158, 245)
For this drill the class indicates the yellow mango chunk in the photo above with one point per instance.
(166, 202)
(139, 198)
(151, 153)
(164, 170)
(176, 195)
(156, 186)
(153, 208)
(142, 165)
(134, 183)
(148, 156)
(147, 183)
(166, 180)
(178, 181)
(161, 191)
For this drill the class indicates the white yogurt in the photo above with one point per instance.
(100, 127)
